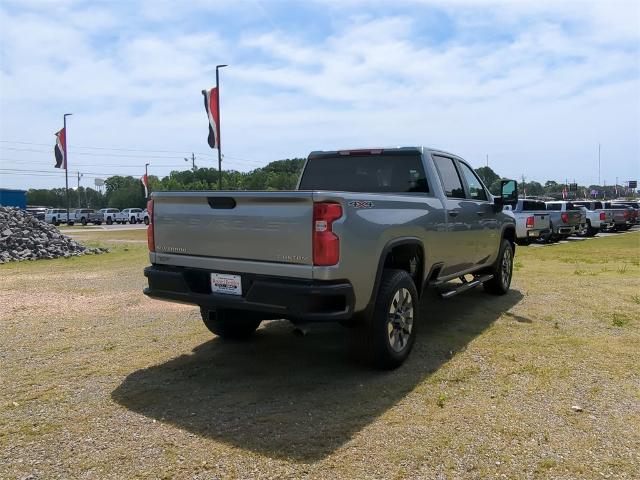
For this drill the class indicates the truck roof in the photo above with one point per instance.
(400, 150)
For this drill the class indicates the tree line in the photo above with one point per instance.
(127, 191)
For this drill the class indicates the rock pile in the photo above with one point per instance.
(24, 237)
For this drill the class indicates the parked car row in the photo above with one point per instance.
(537, 220)
(85, 216)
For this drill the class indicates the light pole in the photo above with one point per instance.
(218, 67)
(66, 160)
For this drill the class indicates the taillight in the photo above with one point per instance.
(529, 222)
(602, 216)
(564, 217)
(326, 244)
(150, 239)
(626, 214)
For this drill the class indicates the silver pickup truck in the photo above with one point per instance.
(358, 241)
(566, 219)
(622, 215)
(598, 219)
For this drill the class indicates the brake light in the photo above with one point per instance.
(626, 213)
(150, 238)
(564, 217)
(360, 152)
(602, 216)
(529, 222)
(326, 244)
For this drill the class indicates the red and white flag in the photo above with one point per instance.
(145, 182)
(565, 193)
(211, 106)
(60, 150)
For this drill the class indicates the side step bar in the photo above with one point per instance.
(466, 285)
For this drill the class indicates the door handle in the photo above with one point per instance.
(453, 213)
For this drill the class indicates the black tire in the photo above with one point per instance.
(83, 221)
(524, 242)
(371, 339)
(97, 223)
(132, 220)
(146, 220)
(109, 221)
(70, 224)
(230, 324)
(502, 270)
(591, 232)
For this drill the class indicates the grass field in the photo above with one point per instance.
(97, 381)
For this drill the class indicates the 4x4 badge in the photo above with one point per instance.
(360, 204)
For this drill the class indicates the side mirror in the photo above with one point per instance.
(508, 193)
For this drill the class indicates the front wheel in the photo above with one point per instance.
(109, 221)
(230, 324)
(502, 270)
(146, 220)
(386, 338)
(83, 221)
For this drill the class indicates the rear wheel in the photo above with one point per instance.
(591, 232)
(232, 324)
(386, 338)
(502, 270)
(109, 221)
(133, 220)
(146, 220)
(83, 221)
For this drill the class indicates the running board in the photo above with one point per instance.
(466, 285)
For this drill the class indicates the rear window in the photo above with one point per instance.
(366, 173)
(597, 205)
(532, 206)
(554, 206)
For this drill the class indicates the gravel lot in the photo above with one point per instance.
(98, 381)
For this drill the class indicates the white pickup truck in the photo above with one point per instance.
(56, 216)
(128, 215)
(532, 220)
(143, 217)
(108, 215)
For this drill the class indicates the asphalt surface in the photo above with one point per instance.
(96, 228)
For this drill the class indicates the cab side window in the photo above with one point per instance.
(449, 176)
(476, 190)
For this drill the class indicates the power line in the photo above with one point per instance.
(239, 159)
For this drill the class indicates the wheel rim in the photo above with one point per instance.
(506, 267)
(400, 320)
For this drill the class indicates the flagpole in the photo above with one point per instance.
(218, 67)
(66, 161)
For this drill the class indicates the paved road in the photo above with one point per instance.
(635, 228)
(97, 228)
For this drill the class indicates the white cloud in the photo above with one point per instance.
(556, 79)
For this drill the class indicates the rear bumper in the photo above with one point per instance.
(536, 233)
(297, 299)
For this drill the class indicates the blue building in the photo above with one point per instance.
(13, 198)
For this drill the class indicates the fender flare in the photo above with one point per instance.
(390, 245)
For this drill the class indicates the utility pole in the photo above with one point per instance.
(193, 162)
(80, 175)
(218, 67)
(66, 160)
(487, 160)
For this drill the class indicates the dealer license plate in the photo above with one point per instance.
(225, 283)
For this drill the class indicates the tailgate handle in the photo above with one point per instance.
(221, 202)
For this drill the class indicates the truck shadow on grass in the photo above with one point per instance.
(299, 398)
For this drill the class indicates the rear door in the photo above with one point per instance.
(461, 215)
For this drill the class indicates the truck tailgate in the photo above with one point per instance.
(259, 226)
(541, 221)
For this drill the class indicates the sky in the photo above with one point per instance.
(535, 86)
